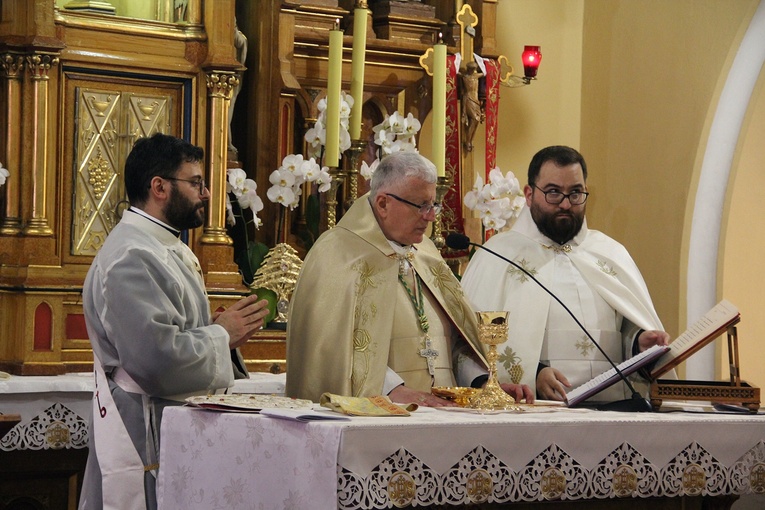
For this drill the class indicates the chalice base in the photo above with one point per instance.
(493, 398)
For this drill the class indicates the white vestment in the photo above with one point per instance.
(149, 322)
(593, 275)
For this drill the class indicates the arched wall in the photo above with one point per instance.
(715, 182)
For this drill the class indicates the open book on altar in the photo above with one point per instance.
(710, 326)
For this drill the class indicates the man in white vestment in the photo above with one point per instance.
(148, 318)
(376, 310)
(592, 274)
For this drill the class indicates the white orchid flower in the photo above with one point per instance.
(345, 140)
(411, 126)
(396, 123)
(282, 178)
(249, 198)
(236, 178)
(311, 170)
(367, 171)
(281, 195)
(324, 180)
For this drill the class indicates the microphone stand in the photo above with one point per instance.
(637, 403)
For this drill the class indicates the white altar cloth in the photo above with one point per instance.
(211, 459)
(55, 410)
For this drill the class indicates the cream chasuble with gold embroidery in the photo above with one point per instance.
(349, 316)
(593, 275)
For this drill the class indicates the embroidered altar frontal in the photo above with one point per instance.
(437, 457)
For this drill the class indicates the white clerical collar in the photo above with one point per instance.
(404, 254)
(151, 218)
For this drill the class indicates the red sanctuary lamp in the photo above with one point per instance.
(532, 56)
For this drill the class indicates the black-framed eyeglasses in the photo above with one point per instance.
(200, 184)
(423, 209)
(557, 197)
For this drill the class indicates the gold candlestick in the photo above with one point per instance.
(354, 166)
(337, 179)
(443, 184)
(492, 331)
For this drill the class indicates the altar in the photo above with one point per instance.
(438, 457)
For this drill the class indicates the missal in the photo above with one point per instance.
(609, 377)
(711, 325)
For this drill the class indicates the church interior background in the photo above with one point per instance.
(637, 87)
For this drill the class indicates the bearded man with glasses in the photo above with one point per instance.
(376, 310)
(154, 338)
(592, 274)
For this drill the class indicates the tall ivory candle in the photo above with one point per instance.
(439, 108)
(357, 69)
(334, 75)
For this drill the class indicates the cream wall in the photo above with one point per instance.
(632, 84)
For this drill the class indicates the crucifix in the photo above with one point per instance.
(430, 354)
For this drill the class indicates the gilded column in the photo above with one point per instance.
(39, 65)
(11, 70)
(220, 85)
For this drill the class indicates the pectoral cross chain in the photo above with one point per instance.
(418, 301)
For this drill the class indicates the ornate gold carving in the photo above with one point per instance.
(624, 481)
(492, 331)
(279, 273)
(108, 123)
(757, 478)
(39, 65)
(12, 65)
(694, 480)
(99, 174)
(147, 110)
(222, 84)
(479, 486)
(553, 483)
(401, 489)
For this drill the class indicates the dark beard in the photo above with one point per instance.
(181, 213)
(560, 227)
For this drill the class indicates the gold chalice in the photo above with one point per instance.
(492, 331)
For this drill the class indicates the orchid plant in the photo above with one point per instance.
(317, 135)
(498, 202)
(242, 192)
(395, 133)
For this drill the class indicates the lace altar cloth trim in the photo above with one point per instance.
(55, 428)
(402, 479)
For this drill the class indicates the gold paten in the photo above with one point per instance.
(459, 395)
(492, 330)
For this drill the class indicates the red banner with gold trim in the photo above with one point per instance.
(451, 216)
(492, 113)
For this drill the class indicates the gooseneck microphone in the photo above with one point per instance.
(635, 404)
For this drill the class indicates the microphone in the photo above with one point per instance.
(637, 403)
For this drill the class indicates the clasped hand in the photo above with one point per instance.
(242, 319)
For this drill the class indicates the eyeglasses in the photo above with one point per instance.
(423, 209)
(556, 197)
(200, 184)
